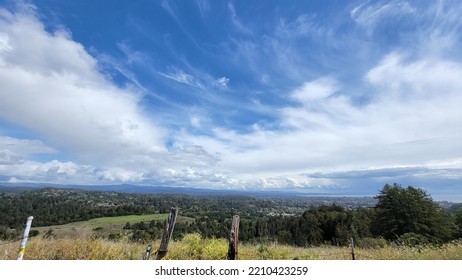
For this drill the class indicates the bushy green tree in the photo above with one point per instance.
(410, 210)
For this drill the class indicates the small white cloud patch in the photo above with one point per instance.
(223, 81)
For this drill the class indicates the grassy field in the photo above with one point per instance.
(193, 247)
(85, 241)
(104, 226)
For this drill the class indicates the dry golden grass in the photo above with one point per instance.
(193, 247)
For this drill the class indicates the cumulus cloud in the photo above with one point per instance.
(419, 101)
(24, 147)
(120, 175)
(53, 171)
(52, 86)
(7, 157)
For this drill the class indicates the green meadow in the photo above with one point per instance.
(101, 227)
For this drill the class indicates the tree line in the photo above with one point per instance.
(406, 216)
(402, 215)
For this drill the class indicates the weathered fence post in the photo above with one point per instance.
(163, 248)
(25, 235)
(233, 249)
(148, 252)
(352, 248)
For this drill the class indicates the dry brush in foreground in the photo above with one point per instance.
(193, 247)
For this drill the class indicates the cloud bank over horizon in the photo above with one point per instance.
(233, 96)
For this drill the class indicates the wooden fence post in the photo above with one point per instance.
(352, 249)
(163, 248)
(233, 249)
(25, 235)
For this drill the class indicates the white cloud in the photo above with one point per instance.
(425, 78)
(25, 147)
(411, 120)
(235, 20)
(120, 175)
(407, 116)
(123, 66)
(204, 7)
(52, 86)
(370, 15)
(303, 26)
(195, 121)
(223, 81)
(14, 180)
(314, 91)
(4, 43)
(181, 77)
(53, 171)
(7, 157)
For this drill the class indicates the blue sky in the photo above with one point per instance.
(337, 97)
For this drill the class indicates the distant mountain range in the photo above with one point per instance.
(127, 188)
(264, 193)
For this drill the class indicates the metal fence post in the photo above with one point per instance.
(25, 235)
(148, 252)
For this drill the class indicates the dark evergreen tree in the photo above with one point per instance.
(458, 220)
(410, 210)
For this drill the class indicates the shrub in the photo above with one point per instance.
(371, 243)
(194, 246)
(33, 232)
(215, 249)
(413, 240)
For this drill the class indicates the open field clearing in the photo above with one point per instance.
(104, 226)
(193, 247)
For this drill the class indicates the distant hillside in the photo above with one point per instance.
(127, 188)
(13, 189)
(291, 219)
(53, 206)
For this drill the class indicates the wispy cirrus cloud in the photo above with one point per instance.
(181, 77)
(203, 81)
(370, 15)
(401, 127)
(236, 21)
(203, 6)
(170, 8)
